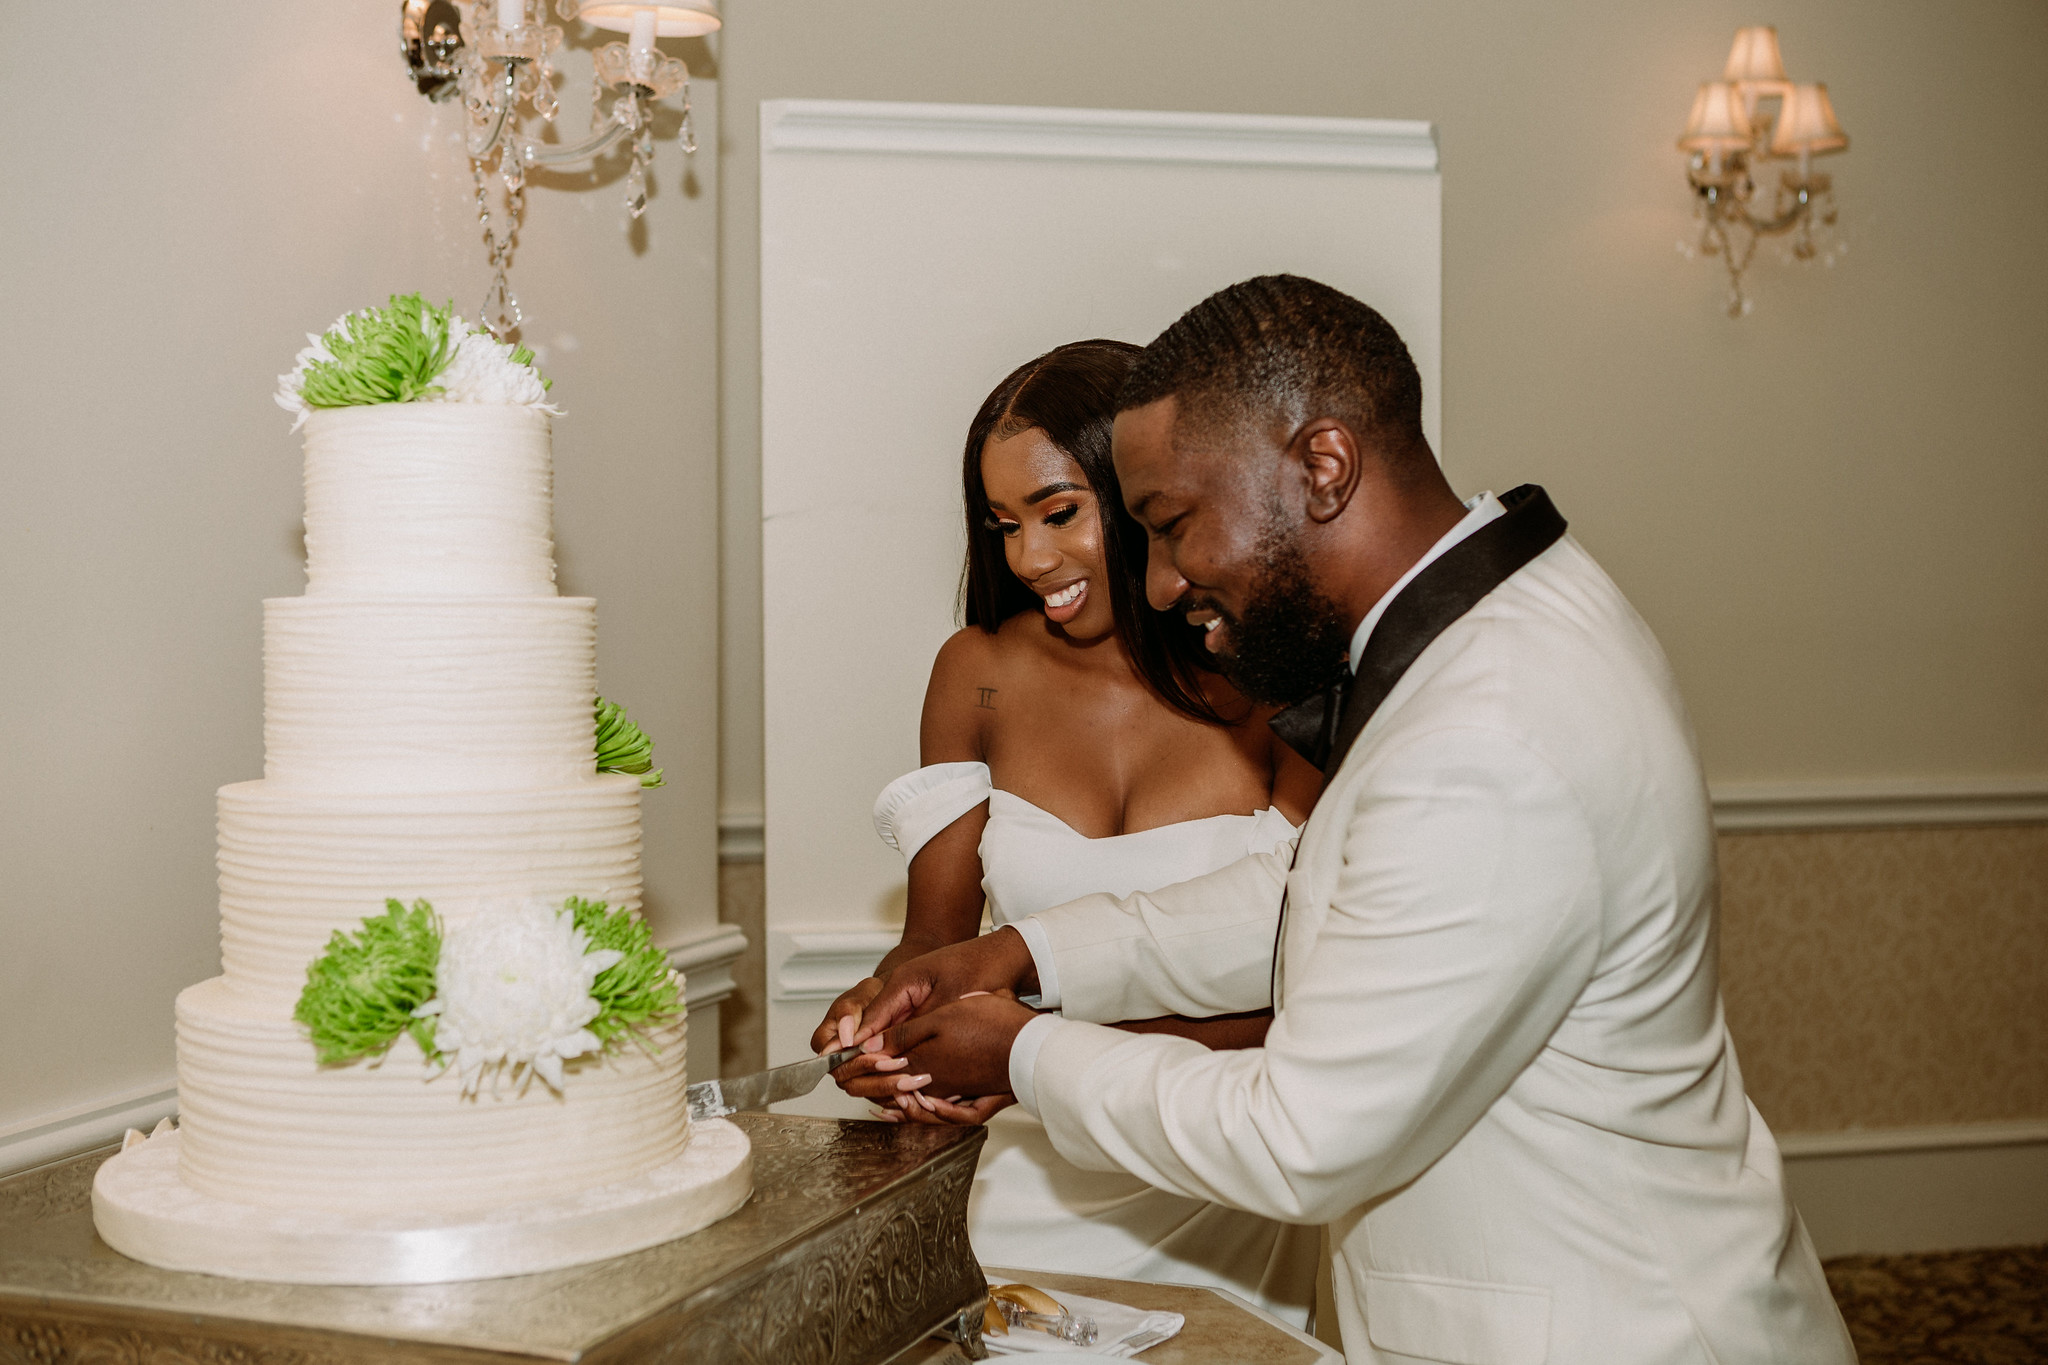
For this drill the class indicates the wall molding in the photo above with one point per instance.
(1096, 134)
(820, 963)
(705, 960)
(1942, 1137)
(741, 836)
(1879, 803)
(52, 1137)
(1739, 807)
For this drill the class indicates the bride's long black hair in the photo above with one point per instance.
(1070, 394)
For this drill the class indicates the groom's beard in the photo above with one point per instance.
(1290, 641)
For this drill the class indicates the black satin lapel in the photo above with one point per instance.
(1438, 596)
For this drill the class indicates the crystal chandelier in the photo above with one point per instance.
(498, 56)
(1751, 116)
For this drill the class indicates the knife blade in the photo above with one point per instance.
(731, 1094)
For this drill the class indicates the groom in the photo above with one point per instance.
(1497, 1068)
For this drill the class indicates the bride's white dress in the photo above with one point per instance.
(1030, 1207)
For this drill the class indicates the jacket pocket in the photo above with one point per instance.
(1459, 1322)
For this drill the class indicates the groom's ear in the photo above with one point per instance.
(1331, 464)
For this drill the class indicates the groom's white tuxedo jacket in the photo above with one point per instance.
(1498, 1069)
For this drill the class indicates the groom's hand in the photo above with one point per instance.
(964, 1047)
(1000, 961)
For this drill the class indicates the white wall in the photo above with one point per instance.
(1829, 512)
(190, 189)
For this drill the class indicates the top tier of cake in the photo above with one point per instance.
(429, 499)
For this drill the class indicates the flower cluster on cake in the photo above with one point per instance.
(443, 1043)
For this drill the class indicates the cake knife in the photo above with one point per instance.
(715, 1099)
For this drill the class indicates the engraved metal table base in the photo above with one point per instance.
(853, 1247)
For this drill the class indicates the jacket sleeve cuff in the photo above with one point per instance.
(1024, 1059)
(1035, 939)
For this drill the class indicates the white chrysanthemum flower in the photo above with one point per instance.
(513, 991)
(482, 371)
(289, 386)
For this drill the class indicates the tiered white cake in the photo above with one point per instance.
(428, 734)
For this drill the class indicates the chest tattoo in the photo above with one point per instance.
(988, 698)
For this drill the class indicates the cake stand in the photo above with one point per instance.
(852, 1248)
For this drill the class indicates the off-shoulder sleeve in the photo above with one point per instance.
(1270, 830)
(918, 805)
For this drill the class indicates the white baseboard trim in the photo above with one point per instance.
(741, 836)
(1901, 1191)
(1879, 803)
(819, 963)
(705, 960)
(52, 1137)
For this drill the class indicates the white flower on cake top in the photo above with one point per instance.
(513, 992)
(409, 351)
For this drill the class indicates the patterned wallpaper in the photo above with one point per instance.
(1888, 978)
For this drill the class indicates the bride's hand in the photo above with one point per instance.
(843, 1016)
(874, 1075)
(920, 1107)
(995, 963)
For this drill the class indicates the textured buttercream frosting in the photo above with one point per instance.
(429, 498)
(261, 1122)
(429, 734)
(297, 865)
(428, 693)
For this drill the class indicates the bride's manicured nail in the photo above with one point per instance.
(874, 1044)
(845, 1030)
(912, 1082)
(927, 1101)
(892, 1063)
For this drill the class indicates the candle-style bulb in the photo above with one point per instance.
(642, 40)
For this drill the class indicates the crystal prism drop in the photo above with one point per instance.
(636, 189)
(500, 310)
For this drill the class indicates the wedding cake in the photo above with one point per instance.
(429, 739)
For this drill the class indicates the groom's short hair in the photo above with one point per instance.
(1282, 350)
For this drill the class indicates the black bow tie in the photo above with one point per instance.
(1309, 727)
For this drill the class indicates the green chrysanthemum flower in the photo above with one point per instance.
(639, 989)
(391, 354)
(622, 746)
(361, 992)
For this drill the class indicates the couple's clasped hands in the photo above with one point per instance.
(935, 1031)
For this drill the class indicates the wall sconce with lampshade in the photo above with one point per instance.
(497, 55)
(1754, 115)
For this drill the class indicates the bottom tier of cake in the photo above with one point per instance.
(263, 1124)
(143, 1209)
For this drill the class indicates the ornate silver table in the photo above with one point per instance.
(853, 1249)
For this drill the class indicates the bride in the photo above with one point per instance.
(1074, 741)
